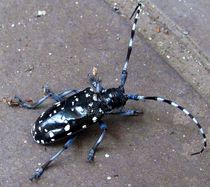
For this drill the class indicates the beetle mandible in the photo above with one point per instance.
(76, 110)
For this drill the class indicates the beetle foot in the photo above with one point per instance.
(91, 154)
(37, 174)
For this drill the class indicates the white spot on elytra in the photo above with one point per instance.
(50, 115)
(54, 111)
(76, 99)
(94, 97)
(72, 109)
(87, 95)
(37, 141)
(40, 121)
(58, 103)
(45, 130)
(52, 139)
(51, 134)
(69, 133)
(42, 141)
(72, 103)
(40, 128)
(91, 104)
(94, 119)
(84, 126)
(42, 114)
(62, 108)
(67, 127)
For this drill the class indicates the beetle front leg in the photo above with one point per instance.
(92, 151)
(39, 171)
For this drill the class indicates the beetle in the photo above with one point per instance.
(76, 110)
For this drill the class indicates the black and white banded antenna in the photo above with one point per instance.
(136, 12)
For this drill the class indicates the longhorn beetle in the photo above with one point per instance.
(82, 108)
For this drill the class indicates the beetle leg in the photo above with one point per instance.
(60, 96)
(127, 112)
(56, 97)
(39, 171)
(92, 151)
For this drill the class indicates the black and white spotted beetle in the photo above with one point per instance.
(70, 115)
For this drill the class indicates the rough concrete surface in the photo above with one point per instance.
(60, 49)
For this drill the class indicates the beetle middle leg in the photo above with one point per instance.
(126, 112)
(92, 151)
(39, 171)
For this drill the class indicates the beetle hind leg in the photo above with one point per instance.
(92, 151)
(39, 171)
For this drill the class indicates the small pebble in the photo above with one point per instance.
(107, 155)
(109, 178)
(41, 13)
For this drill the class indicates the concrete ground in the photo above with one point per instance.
(61, 48)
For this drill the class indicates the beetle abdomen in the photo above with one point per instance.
(67, 117)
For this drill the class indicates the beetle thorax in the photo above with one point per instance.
(113, 98)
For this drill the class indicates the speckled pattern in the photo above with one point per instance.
(61, 48)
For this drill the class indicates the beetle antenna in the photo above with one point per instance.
(137, 10)
(174, 104)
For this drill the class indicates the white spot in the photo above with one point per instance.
(79, 109)
(94, 97)
(87, 95)
(50, 115)
(35, 133)
(51, 134)
(72, 103)
(52, 139)
(204, 140)
(67, 127)
(42, 141)
(75, 96)
(130, 43)
(65, 121)
(40, 128)
(94, 119)
(201, 130)
(100, 110)
(160, 99)
(195, 120)
(45, 130)
(72, 109)
(54, 111)
(76, 99)
(56, 130)
(140, 97)
(13, 25)
(58, 103)
(91, 111)
(91, 104)
(91, 89)
(84, 126)
(62, 108)
(40, 121)
(42, 114)
(174, 104)
(69, 133)
(110, 95)
(186, 112)
(134, 26)
(37, 141)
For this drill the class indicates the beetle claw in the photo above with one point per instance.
(90, 156)
(37, 174)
